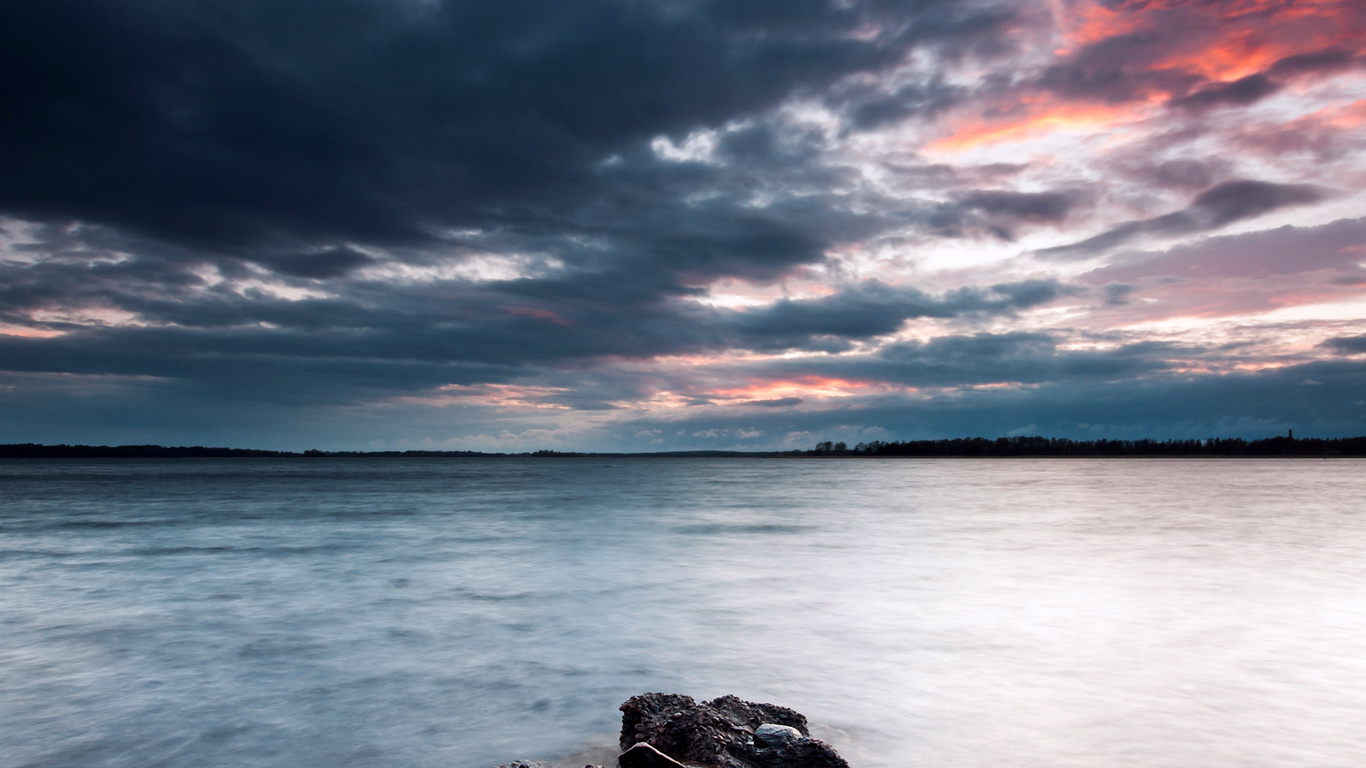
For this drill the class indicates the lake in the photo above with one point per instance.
(466, 612)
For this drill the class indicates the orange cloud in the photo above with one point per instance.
(1219, 42)
(1035, 115)
(1086, 22)
(802, 386)
(1245, 36)
(1252, 43)
(1351, 116)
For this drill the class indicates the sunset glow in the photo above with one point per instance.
(661, 226)
(1040, 117)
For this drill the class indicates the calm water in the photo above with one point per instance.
(464, 613)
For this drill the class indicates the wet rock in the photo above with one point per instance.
(526, 764)
(722, 733)
(773, 735)
(643, 755)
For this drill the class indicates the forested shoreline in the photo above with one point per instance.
(966, 447)
(1061, 446)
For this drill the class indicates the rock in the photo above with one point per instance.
(773, 735)
(526, 764)
(643, 755)
(722, 733)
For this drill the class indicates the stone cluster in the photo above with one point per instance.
(669, 730)
(663, 730)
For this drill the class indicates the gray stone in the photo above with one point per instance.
(774, 735)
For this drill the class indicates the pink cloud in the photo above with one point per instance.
(1284, 251)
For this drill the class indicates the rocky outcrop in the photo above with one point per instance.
(643, 755)
(724, 733)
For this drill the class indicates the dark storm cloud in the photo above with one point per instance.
(1245, 199)
(1318, 61)
(1120, 68)
(1041, 206)
(1239, 92)
(237, 123)
(228, 209)
(334, 262)
(211, 319)
(1029, 358)
(781, 402)
(870, 110)
(209, 142)
(1002, 210)
(1221, 204)
(973, 213)
(369, 336)
(1347, 345)
(874, 309)
(621, 275)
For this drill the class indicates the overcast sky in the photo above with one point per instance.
(679, 224)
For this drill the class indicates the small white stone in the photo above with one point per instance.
(772, 735)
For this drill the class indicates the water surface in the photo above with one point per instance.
(461, 613)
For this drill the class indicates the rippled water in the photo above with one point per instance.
(464, 613)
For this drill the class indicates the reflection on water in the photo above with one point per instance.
(464, 613)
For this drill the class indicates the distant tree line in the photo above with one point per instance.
(963, 446)
(1061, 446)
(35, 451)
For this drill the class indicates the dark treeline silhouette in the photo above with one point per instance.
(957, 447)
(34, 451)
(1061, 446)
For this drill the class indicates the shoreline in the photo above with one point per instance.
(957, 448)
(743, 456)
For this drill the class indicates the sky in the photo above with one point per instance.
(639, 225)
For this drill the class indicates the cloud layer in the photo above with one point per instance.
(385, 223)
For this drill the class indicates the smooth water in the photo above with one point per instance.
(462, 613)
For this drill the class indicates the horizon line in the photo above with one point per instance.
(960, 447)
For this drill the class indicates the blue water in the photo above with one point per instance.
(465, 613)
